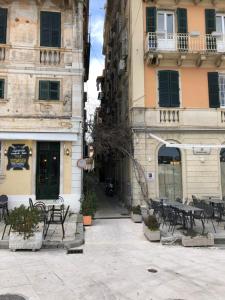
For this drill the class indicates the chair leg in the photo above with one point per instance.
(213, 226)
(4, 232)
(63, 231)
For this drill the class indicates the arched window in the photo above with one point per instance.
(170, 173)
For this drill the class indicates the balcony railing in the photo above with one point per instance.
(169, 116)
(187, 43)
(50, 56)
(2, 52)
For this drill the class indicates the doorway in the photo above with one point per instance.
(170, 173)
(48, 170)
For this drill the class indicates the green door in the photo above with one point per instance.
(48, 170)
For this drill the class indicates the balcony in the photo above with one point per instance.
(185, 48)
(178, 118)
(3, 49)
(50, 56)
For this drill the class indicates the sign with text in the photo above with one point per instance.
(201, 151)
(18, 156)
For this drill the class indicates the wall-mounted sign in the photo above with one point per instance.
(201, 151)
(18, 156)
(150, 176)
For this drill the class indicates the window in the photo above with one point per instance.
(165, 22)
(49, 90)
(169, 91)
(3, 25)
(50, 30)
(222, 89)
(216, 84)
(2, 84)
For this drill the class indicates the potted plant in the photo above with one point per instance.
(25, 232)
(193, 239)
(88, 207)
(151, 228)
(136, 214)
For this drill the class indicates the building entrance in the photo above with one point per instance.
(48, 170)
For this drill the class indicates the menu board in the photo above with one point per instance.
(18, 156)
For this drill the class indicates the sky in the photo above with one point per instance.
(96, 24)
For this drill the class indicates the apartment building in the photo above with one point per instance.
(176, 93)
(44, 60)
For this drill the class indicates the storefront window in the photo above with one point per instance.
(170, 173)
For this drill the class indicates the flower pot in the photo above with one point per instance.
(152, 236)
(87, 220)
(198, 241)
(17, 241)
(136, 218)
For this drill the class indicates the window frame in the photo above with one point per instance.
(61, 28)
(158, 93)
(49, 99)
(220, 96)
(3, 80)
(165, 13)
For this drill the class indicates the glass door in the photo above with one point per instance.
(48, 170)
(165, 30)
(220, 29)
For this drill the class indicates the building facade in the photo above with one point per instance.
(175, 85)
(44, 60)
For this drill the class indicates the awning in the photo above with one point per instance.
(39, 136)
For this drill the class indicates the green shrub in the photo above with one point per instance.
(24, 220)
(136, 210)
(152, 223)
(89, 206)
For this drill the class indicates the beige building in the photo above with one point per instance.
(174, 75)
(44, 58)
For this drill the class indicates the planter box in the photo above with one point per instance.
(152, 236)
(87, 220)
(136, 218)
(16, 241)
(198, 241)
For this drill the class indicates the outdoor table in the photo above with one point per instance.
(185, 210)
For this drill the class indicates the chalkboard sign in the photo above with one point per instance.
(18, 156)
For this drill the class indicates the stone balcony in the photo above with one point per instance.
(179, 118)
(185, 49)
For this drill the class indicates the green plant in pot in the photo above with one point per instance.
(152, 228)
(25, 233)
(88, 207)
(136, 214)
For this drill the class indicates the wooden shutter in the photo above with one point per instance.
(2, 83)
(45, 39)
(54, 90)
(50, 29)
(174, 89)
(56, 29)
(44, 90)
(182, 26)
(210, 20)
(3, 25)
(169, 92)
(151, 19)
(213, 84)
(164, 89)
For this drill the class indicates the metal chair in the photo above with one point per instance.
(4, 205)
(209, 213)
(40, 206)
(57, 218)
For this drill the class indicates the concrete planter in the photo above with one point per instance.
(136, 218)
(152, 236)
(198, 241)
(16, 241)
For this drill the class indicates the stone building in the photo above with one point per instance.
(44, 61)
(173, 73)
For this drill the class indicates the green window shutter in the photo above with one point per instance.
(213, 85)
(54, 87)
(182, 26)
(2, 85)
(44, 90)
(210, 20)
(164, 88)
(3, 25)
(151, 19)
(56, 29)
(174, 89)
(50, 29)
(169, 92)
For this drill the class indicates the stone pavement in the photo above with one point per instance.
(114, 266)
